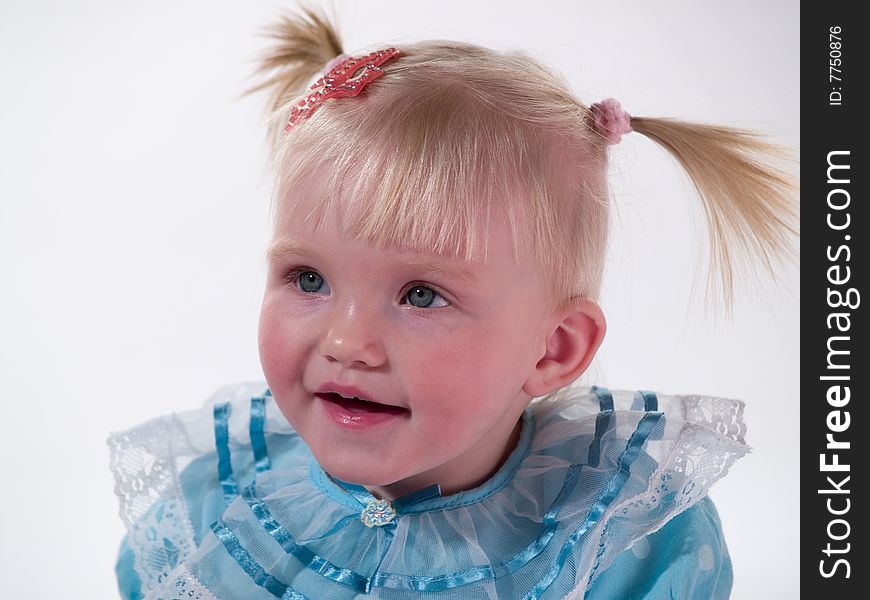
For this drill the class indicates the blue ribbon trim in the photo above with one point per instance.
(438, 583)
(402, 505)
(244, 559)
(650, 400)
(629, 455)
(605, 398)
(359, 493)
(222, 444)
(420, 583)
(405, 502)
(258, 437)
(305, 556)
(602, 423)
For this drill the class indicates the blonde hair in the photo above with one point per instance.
(454, 134)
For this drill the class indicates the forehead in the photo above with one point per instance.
(459, 229)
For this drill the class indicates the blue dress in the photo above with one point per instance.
(604, 497)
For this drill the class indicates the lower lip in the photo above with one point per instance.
(357, 415)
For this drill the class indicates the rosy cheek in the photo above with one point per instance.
(452, 367)
(487, 361)
(274, 341)
(270, 353)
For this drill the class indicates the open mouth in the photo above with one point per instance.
(358, 405)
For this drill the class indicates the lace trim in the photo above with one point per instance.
(697, 460)
(725, 417)
(159, 533)
(182, 585)
(147, 461)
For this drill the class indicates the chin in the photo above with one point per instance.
(363, 473)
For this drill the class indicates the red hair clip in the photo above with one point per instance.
(341, 83)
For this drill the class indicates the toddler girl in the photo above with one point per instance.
(437, 252)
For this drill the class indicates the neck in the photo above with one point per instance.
(478, 464)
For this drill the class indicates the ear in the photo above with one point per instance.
(570, 347)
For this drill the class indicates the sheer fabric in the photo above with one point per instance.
(573, 511)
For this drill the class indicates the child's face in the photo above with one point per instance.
(444, 347)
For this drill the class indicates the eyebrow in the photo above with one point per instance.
(444, 272)
(285, 247)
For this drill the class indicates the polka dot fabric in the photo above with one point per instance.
(686, 558)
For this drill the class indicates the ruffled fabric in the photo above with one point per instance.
(594, 471)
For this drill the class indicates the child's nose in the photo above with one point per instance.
(353, 340)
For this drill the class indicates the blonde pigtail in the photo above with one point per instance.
(305, 43)
(750, 208)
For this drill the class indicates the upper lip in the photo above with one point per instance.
(348, 391)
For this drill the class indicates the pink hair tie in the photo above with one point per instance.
(610, 120)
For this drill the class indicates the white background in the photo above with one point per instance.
(134, 214)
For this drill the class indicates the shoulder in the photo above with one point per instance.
(171, 475)
(657, 534)
(686, 558)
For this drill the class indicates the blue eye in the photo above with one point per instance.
(424, 297)
(312, 282)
